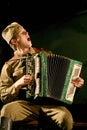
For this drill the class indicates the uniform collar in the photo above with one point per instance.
(20, 54)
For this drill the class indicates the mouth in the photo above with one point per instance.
(29, 39)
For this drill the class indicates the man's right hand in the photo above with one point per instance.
(24, 80)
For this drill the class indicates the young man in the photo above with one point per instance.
(14, 79)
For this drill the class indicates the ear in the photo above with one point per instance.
(13, 41)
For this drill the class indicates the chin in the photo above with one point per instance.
(30, 45)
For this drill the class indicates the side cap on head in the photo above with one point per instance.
(10, 31)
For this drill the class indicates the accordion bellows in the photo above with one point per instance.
(53, 76)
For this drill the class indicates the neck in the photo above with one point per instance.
(24, 51)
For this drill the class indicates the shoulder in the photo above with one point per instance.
(8, 64)
(11, 64)
(38, 50)
(11, 61)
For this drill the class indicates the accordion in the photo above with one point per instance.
(53, 76)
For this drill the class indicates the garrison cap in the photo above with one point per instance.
(11, 31)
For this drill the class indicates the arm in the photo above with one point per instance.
(8, 88)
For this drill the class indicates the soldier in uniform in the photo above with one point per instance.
(14, 80)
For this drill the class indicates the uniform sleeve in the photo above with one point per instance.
(7, 89)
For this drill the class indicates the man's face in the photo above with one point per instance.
(23, 39)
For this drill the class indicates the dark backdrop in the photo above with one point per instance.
(59, 26)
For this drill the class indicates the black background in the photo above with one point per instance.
(39, 14)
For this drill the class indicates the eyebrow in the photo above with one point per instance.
(23, 32)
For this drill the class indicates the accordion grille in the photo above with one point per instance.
(56, 70)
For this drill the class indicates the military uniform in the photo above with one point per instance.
(17, 107)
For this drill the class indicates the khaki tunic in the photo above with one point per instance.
(16, 106)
